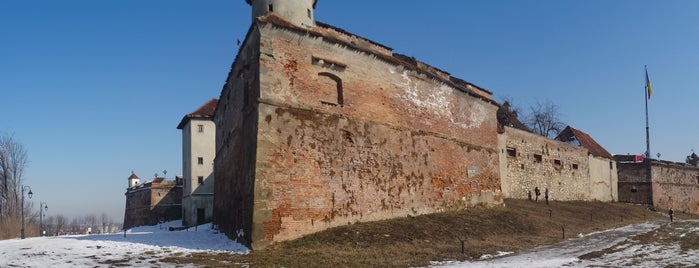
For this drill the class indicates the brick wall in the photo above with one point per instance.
(676, 186)
(342, 136)
(150, 203)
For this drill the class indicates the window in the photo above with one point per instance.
(308, 12)
(200, 180)
(511, 152)
(200, 128)
(557, 162)
(200, 160)
(332, 89)
(697, 179)
(575, 166)
(537, 158)
(271, 8)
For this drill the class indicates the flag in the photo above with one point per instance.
(648, 87)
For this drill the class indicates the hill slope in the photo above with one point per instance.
(415, 241)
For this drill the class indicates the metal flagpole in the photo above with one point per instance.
(647, 131)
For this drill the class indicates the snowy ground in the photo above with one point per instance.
(651, 244)
(142, 246)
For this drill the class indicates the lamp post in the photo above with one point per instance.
(22, 208)
(42, 207)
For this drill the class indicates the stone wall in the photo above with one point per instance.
(150, 203)
(528, 160)
(236, 142)
(342, 136)
(676, 186)
(634, 183)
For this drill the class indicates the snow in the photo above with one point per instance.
(147, 246)
(142, 246)
(622, 250)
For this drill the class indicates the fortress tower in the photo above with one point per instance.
(299, 12)
(133, 180)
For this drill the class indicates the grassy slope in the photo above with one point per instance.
(415, 241)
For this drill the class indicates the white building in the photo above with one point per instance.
(198, 152)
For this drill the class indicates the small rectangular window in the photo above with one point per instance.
(308, 12)
(557, 162)
(511, 152)
(271, 8)
(575, 166)
(200, 128)
(697, 179)
(537, 158)
(200, 180)
(200, 160)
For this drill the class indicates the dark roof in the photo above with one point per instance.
(570, 134)
(393, 58)
(206, 111)
(314, 2)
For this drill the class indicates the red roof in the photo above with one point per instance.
(133, 176)
(205, 111)
(570, 134)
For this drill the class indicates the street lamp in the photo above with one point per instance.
(22, 208)
(42, 207)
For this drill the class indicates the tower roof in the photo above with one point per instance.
(205, 111)
(314, 2)
(133, 176)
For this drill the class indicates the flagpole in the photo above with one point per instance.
(647, 128)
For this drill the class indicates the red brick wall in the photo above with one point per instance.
(293, 157)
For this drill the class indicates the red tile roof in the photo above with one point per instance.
(570, 134)
(133, 176)
(205, 111)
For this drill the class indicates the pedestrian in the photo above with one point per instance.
(537, 192)
(670, 212)
(529, 195)
(546, 195)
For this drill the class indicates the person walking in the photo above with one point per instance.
(670, 212)
(546, 195)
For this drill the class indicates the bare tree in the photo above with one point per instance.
(61, 222)
(13, 160)
(545, 119)
(106, 222)
(49, 225)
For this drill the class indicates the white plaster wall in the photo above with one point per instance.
(603, 179)
(197, 144)
(299, 12)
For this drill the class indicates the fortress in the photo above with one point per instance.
(317, 127)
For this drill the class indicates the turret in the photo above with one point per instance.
(133, 180)
(298, 12)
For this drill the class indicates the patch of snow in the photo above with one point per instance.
(140, 246)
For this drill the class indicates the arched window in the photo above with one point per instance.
(332, 88)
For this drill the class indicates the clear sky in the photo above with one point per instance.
(95, 89)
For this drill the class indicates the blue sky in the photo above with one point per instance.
(95, 89)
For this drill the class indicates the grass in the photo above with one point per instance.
(416, 241)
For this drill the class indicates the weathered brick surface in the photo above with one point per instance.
(151, 203)
(676, 186)
(337, 136)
